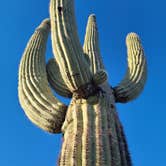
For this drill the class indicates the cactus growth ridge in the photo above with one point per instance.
(93, 133)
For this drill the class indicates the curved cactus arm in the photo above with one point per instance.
(55, 79)
(91, 45)
(133, 83)
(35, 96)
(66, 45)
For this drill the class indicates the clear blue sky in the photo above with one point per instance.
(144, 120)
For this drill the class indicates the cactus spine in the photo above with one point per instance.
(93, 134)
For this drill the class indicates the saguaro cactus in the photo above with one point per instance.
(93, 134)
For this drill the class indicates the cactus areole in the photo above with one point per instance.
(93, 134)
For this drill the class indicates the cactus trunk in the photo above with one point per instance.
(93, 134)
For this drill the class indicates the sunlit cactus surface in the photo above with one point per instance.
(93, 134)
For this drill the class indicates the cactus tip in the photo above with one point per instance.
(132, 35)
(92, 17)
(45, 24)
(46, 21)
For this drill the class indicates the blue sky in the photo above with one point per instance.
(144, 120)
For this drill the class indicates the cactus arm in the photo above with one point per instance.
(92, 51)
(35, 96)
(66, 46)
(133, 83)
(55, 79)
(91, 45)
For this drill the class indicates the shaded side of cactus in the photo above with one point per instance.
(93, 133)
(56, 81)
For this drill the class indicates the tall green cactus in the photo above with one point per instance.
(93, 134)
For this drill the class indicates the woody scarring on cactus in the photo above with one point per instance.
(93, 133)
